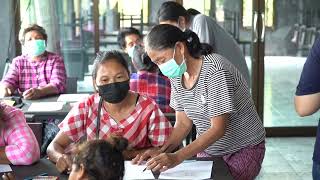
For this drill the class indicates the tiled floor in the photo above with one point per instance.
(282, 74)
(287, 159)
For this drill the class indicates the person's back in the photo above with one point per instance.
(209, 31)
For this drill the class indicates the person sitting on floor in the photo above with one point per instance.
(99, 159)
(18, 145)
(113, 110)
(37, 72)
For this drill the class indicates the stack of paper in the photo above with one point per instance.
(136, 172)
(45, 106)
(5, 168)
(71, 97)
(189, 169)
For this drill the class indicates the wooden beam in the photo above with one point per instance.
(96, 25)
(180, 1)
(16, 6)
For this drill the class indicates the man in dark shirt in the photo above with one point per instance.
(307, 99)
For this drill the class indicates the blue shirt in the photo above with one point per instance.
(310, 84)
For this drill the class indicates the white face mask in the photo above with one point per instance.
(130, 51)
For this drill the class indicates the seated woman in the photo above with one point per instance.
(114, 110)
(99, 158)
(37, 72)
(18, 145)
(149, 81)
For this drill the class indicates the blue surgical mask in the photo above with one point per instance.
(35, 47)
(171, 69)
(130, 51)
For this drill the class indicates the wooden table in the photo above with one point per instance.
(219, 169)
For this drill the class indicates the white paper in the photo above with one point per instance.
(71, 97)
(189, 169)
(5, 168)
(45, 106)
(136, 172)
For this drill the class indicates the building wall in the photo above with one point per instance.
(6, 20)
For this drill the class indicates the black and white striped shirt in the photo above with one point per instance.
(220, 89)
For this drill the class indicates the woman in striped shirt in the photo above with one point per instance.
(210, 92)
(113, 111)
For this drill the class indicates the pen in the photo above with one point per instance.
(30, 178)
(163, 151)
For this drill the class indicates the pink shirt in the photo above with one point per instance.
(25, 74)
(21, 146)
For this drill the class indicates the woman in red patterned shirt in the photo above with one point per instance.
(121, 112)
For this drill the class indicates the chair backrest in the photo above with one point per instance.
(71, 85)
(302, 35)
(311, 36)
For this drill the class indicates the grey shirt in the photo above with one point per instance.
(209, 31)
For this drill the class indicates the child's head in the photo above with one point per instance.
(99, 159)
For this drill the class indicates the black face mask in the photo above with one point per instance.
(114, 92)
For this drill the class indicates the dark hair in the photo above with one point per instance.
(171, 10)
(34, 27)
(1, 112)
(105, 56)
(126, 32)
(101, 159)
(165, 36)
(149, 65)
(192, 12)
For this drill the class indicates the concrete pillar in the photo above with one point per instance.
(7, 17)
(212, 11)
(47, 17)
(154, 7)
(112, 16)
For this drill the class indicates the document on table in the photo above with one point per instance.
(133, 171)
(71, 97)
(5, 168)
(45, 106)
(189, 169)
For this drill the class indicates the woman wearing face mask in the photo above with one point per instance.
(37, 72)
(149, 81)
(210, 92)
(113, 110)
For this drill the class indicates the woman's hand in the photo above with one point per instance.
(163, 162)
(64, 163)
(32, 93)
(146, 155)
(8, 176)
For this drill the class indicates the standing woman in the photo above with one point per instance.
(210, 92)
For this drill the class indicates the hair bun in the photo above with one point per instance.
(119, 143)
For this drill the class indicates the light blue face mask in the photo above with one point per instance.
(35, 47)
(171, 69)
(131, 50)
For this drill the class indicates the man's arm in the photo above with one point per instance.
(307, 104)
